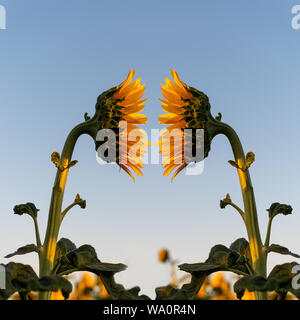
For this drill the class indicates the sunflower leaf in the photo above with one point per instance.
(47, 283)
(63, 246)
(282, 250)
(241, 246)
(280, 280)
(220, 258)
(85, 258)
(15, 271)
(24, 250)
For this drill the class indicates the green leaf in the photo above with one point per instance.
(15, 271)
(279, 280)
(286, 272)
(220, 258)
(63, 246)
(23, 250)
(85, 258)
(282, 250)
(255, 283)
(84, 255)
(241, 246)
(47, 283)
(278, 208)
(28, 208)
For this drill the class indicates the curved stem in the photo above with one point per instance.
(54, 219)
(68, 208)
(238, 209)
(258, 256)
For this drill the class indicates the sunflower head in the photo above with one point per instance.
(118, 109)
(187, 108)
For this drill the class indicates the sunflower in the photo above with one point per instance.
(119, 105)
(187, 109)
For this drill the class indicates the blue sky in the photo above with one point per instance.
(56, 57)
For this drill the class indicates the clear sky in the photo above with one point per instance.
(56, 57)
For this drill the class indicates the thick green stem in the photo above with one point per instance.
(54, 219)
(258, 255)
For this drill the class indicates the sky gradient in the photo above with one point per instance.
(56, 57)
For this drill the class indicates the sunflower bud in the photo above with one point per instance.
(28, 208)
(278, 208)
